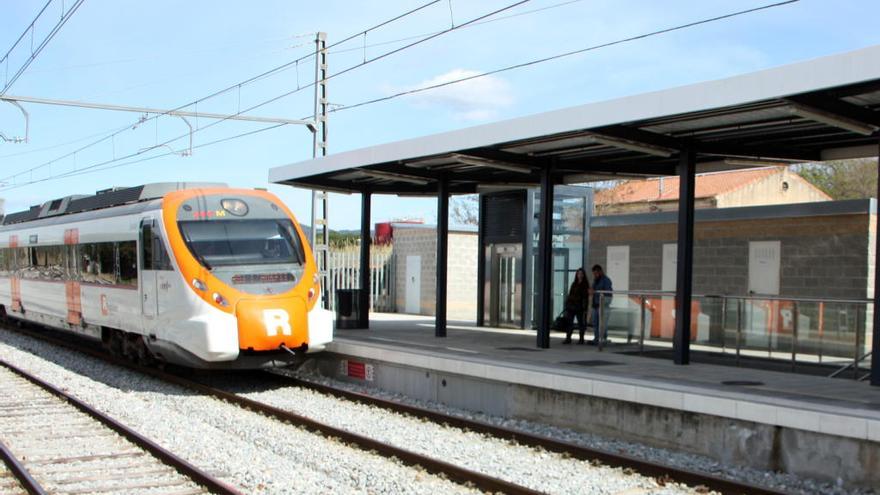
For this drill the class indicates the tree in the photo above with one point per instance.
(843, 179)
(465, 210)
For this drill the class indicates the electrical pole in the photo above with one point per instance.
(320, 226)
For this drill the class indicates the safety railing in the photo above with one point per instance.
(803, 331)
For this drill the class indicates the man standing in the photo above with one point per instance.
(601, 283)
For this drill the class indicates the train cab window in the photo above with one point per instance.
(243, 242)
(128, 263)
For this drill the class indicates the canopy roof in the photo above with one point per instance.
(809, 111)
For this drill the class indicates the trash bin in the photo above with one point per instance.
(349, 313)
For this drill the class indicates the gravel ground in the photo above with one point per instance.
(9, 485)
(780, 481)
(258, 454)
(527, 466)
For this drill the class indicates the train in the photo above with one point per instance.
(198, 275)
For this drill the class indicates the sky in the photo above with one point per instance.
(164, 54)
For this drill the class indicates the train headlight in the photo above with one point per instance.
(198, 284)
(235, 206)
(220, 300)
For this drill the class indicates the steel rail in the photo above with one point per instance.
(197, 475)
(435, 466)
(648, 468)
(28, 483)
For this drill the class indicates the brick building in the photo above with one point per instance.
(821, 250)
(730, 189)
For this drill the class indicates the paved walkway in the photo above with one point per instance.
(839, 405)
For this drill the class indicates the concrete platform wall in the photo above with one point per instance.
(734, 441)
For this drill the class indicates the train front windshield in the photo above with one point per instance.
(228, 243)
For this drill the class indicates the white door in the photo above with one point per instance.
(764, 263)
(670, 267)
(147, 276)
(618, 271)
(413, 284)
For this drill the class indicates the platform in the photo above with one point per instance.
(776, 420)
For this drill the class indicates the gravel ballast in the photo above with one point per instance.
(245, 449)
(780, 481)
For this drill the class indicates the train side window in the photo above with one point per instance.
(71, 256)
(128, 263)
(54, 263)
(161, 260)
(106, 263)
(88, 262)
(22, 259)
(4, 262)
(146, 246)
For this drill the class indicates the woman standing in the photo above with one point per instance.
(576, 305)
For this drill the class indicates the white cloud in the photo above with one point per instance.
(472, 100)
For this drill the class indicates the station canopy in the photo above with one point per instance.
(822, 109)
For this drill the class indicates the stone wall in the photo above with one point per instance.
(461, 300)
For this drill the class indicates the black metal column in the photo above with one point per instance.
(442, 255)
(875, 341)
(681, 341)
(366, 240)
(481, 266)
(544, 266)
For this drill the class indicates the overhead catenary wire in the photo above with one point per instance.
(265, 102)
(512, 67)
(231, 87)
(98, 167)
(36, 52)
(422, 35)
(562, 55)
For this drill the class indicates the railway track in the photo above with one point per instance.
(451, 471)
(663, 473)
(659, 471)
(55, 443)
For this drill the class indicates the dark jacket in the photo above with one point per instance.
(601, 283)
(578, 294)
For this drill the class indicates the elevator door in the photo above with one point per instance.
(506, 287)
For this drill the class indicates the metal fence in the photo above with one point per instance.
(344, 273)
(802, 331)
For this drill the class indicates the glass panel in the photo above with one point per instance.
(128, 263)
(243, 242)
(147, 246)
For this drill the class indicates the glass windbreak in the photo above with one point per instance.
(243, 242)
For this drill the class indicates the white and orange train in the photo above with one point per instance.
(198, 275)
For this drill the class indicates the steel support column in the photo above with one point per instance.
(366, 239)
(687, 165)
(545, 258)
(442, 255)
(875, 341)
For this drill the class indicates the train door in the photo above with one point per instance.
(169, 291)
(147, 278)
